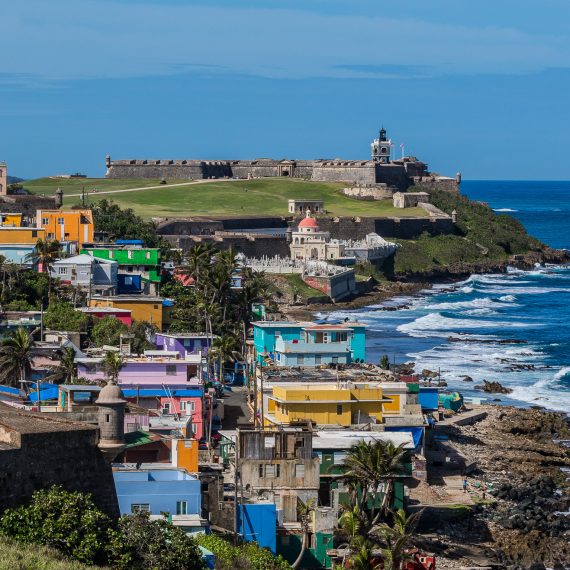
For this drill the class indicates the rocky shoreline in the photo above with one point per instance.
(519, 485)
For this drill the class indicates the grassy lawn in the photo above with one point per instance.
(48, 186)
(266, 196)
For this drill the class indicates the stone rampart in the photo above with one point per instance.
(209, 226)
(376, 192)
(437, 183)
(36, 453)
(356, 173)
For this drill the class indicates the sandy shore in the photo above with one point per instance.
(512, 514)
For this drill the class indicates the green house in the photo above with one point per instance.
(134, 261)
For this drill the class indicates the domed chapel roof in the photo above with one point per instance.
(111, 394)
(308, 222)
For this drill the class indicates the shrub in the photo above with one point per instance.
(139, 543)
(67, 521)
(247, 556)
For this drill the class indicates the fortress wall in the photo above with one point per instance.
(378, 192)
(446, 184)
(192, 170)
(249, 245)
(393, 175)
(353, 174)
(197, 226)
(67, 458)
(404, 228)
(26, 204)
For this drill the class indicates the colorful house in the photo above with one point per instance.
(162, 492)
(308, 344)
(123, 315)
(184, 343)
(139, 267)
(97, 276)
(147, 372)
(66, 226)
(13, 219)
(18, 244)
(183, 402)
(153, 310)
(325, 404)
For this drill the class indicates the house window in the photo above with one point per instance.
(50, 235)
(300, 470)
(171, 369)
(140, 508)
(166, 408)
(45, 221)
(130, 254)
(34, 234)
(62, 270)
(181, 507)
(339, 409)
(60, 221)
(341, 337)
(261, 470)
(272, 470)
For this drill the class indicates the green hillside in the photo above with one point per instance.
(267, 196)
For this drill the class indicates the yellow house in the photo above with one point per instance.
(17, 244)
(12, 219)
(327, 404)
(72, 225)
(142, 307)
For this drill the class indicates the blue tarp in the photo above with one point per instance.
(129, 241)
(9, 390)
(417, 432)
(47, 392)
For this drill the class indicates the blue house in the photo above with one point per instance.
(167, 492)
(308, 344)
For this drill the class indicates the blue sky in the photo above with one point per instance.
(480, 87)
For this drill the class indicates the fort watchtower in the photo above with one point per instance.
(381, 148)
(3, 179)
(111, 403)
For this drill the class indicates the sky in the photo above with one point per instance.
(478, 87)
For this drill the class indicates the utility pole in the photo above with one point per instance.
(236, 477)
(255, 396)
(262, 418)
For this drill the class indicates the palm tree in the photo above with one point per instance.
(377, 464)
(223, 348)
(66, 370)
(396, 539)
(304, 511)
(16, 357)
(112, 365)
(46, 253)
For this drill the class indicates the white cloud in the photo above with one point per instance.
(87, 38)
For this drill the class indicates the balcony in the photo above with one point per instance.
(299, 347)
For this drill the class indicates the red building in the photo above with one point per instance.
(124, 315)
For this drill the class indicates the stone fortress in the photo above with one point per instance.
(380, 170)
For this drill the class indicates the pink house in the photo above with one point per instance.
(124, 315)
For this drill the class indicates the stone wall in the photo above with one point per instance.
(404, 228)
(337, 287)
(336, 172)
(36, 453)
(376, 192)
(251, 245)
(438, 183)
(209, 226)
(26, 204)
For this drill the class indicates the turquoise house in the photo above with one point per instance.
(308, 344)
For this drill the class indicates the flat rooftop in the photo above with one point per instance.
(343, 439)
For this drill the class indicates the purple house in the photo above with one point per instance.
(185, 344)
(148, 372)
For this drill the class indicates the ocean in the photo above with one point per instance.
(511, 328)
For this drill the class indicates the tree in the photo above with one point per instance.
(304, 511)
(108, 331)
(395, 539)
(66, 370)
(223, 348)
(141, 331)
(16, 357)
(67, 521)
(371, 467)
(46, 253)
(62, 316)
(112, 365)
(139, 543)
(385, 362)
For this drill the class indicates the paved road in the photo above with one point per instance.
(189, 183)
(236, 411)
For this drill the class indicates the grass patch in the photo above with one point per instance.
(266, 196)
(295, 284)
(48, 186)
(14, 556)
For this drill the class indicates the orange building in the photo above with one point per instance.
(72, 225)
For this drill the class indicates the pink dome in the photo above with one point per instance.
(308, 223)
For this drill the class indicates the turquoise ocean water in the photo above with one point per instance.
(513, 328)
